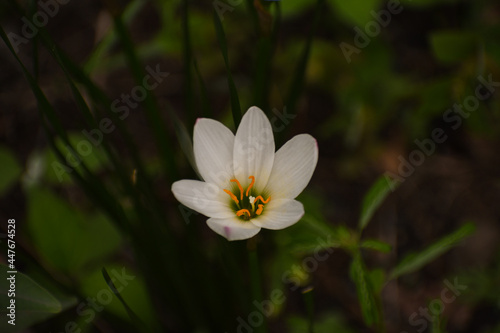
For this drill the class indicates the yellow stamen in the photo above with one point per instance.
(243, 211)
(232, 196)
(239, 186)
(262, 199)
(251, 184)
(259, 210)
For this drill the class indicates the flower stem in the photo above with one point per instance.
(255, 281)
(308, 296)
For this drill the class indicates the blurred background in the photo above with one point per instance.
(97, 125)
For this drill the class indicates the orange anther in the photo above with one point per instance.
(243, 211)
(232, 196)
(251, 184)
(259, 210)
(239, 186)
(262, 199)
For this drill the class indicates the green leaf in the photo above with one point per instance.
(365, 291)
(415, 261)
(66, 238)
(453, 46)
(376, 245)
(374, 198)
(9, 169)
(33, 303)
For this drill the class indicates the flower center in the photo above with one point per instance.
(247, 206)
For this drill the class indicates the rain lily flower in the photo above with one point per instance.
(247, 185)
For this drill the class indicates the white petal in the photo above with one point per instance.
(213, 151)
(293, 167)
(233, 228)
(253, 148)
(202, 197)
(280, 214)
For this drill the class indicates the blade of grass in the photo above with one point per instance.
(104, 200)
(139, 325)
(100, 99)
(150, 106)
(188, 59)
(254, 15)
(91, 184)
(299, 74)
(235, 101)
(205, 101)
(169, 246)
(264, 58)
(89, 118)
(262, 72)
(144, 184)
(184, 140)
(95, 58)
(36, 70)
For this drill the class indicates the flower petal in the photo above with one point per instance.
(213, 151)
(280, 214)
(202, 197)
(294, 165)
(253, 152)
(233, 228)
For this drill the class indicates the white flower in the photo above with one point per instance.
(247, 186)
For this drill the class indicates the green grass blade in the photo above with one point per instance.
(188, 61)
(150, 106)
(414, 261)
(262, 72)
(264, 59)
(143, 183)
(133, 317)
(91, 184)
(235, 101)
(300, 72)
(254, 15)
(42, 100)
(108, 41)
(185, 141)
(205, 101)
(100, 99)
(91, 122)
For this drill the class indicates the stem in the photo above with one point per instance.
(253, 261)
(308, 296)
